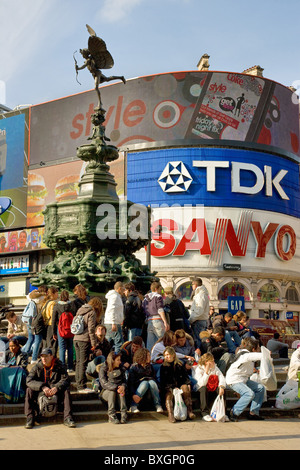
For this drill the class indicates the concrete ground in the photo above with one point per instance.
(155, 435)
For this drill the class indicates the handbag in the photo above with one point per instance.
(180, 409)
(218, 410)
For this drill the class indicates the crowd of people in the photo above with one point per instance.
(138, 351)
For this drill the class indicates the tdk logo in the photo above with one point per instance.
(175, 178)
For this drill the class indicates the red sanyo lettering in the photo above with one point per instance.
(131, 115)
(196, 238)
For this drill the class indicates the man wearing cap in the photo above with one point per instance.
(48, 375)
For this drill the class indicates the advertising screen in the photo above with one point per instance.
(178, 106)
(13, 169)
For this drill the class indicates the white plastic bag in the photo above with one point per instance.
(287, 397)
(267, 372)
(180, 409)
(217, 412)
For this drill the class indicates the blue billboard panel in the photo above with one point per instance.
(214, 177)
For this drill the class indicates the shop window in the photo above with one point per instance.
(233, 289)
(268, 293)
(184, 291)
(292, 296)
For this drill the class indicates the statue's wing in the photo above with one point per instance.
(100, 54)
(91, 31)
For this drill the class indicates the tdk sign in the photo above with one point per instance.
(215, 177)
(261, 179)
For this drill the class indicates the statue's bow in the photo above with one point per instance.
(76, 67)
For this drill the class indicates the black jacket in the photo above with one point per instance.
(111, 380)
(59, 377)
(137, 374)
(134, 315)
(210, 345)
(173, 376)
(177, 313)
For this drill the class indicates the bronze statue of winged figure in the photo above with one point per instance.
(97, 57)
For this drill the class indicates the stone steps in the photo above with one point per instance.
(88, 407)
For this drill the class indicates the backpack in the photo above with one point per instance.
(64, 325)
(29, 312)
(77, 326)
(47, 405)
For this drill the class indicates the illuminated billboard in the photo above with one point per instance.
(170, 108)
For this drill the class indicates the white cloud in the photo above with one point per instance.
(116, 10)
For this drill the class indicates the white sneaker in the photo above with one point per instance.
(207, 418)
(85, 390)
(159, 409)
(134, 409)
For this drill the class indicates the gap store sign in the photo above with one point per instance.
(214, 177)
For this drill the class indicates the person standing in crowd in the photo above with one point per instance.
(47, 312)
(173, 374)
(134, 315)
(35, 339)
(81, 298)
(65, 344)
(238, 379)
(199, 311)
(48, 376)
(155, 315)
(114, 386)
(178, 314)
(86, 341)
(114, 315)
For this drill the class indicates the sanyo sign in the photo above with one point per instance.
(262, 180)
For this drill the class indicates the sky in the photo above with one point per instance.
(39, 37)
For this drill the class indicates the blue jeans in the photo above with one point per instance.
(116, 336)
(132, 332)
(249, 392)
(197, 327)
(32, 345)
(65, 345)
(155, 331)
(233, 340)
(146, 385)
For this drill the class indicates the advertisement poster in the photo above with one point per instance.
(13, 177)
(59, 183)
(14, 265)
(22, 240)
(230, 107)
(166, 108)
